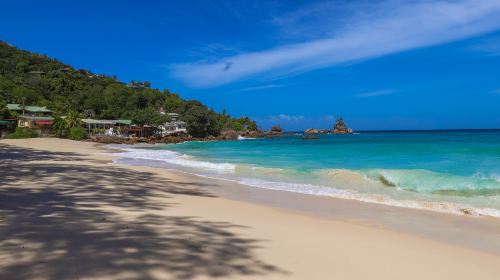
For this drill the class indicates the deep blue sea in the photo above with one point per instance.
(447, 171)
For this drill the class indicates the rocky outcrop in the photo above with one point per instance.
(253, 134)
(324, 131)
(228, 135)
(275, 130)
(310, 137)
(340, 127)
(311, 131)
(177, 138)
(316, 131)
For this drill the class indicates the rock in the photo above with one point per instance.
(316, 131)
(340, 127)
(253, 134)
(310, 137)
(276, 128)
(311, 131)
(228, 135)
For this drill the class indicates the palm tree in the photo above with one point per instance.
(73, 119)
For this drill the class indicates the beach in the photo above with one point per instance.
(68, 212)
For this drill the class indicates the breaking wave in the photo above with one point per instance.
(417, 181)
(425, 181)
(173, 158)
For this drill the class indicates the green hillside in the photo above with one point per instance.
(36, 79)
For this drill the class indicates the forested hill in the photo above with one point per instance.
(39, 80)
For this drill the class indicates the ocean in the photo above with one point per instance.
(455, 172)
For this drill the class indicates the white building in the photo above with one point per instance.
(174, 125)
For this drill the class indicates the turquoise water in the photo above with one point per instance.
(448, 171)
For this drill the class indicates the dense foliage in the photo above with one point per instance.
(4, 112)
(22, 132)
(38, 80)
(77, 133)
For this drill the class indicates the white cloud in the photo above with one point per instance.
(263, 87)
(288, 118)
(375, 93)
(390, 27)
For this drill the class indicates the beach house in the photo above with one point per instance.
(174, 125)
(37, 118)
(107, 127)
(30, 110)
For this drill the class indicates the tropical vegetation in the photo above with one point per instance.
(36, 79)
(22, 132)
(77, 133)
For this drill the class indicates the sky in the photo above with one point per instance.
(380, 64)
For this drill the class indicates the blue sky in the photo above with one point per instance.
(380, 64)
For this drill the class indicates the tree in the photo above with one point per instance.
(73, 90)
(72, 119)
(24, 95)
(148, 116)
(4, 112)
(59, 126)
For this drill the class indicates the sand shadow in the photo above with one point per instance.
(62, 225)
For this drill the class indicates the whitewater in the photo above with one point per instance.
(454, 172)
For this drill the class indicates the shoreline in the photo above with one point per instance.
(135, 155)
(304, 236)
(408, 220)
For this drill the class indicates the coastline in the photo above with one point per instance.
(281, 235)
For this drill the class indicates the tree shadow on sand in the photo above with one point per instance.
(65, 225)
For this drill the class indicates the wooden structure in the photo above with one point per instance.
(42, 125)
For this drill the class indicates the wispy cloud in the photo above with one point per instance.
(283, 117)
(389, 27)
(263, 87)
(496, 91)
(375, 93)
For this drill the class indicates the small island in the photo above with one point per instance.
(341, 128)
(338, 128)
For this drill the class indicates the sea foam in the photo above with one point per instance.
(198, 167)
(173, 158)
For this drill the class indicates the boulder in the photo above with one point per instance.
(275, 130)
(340, 127)
(324, 131)
(311, 131)
(252, 134)
(228, 135)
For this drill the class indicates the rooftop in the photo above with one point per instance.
(93, 121)
(36, 118)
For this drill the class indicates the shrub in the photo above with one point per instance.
(22, 132)
(77, 133)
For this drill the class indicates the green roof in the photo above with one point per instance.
(36, 118)
(93, 121)
(124, 121)
(34, 109)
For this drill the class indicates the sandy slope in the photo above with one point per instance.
(67, 213)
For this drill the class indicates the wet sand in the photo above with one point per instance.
(67, 213)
